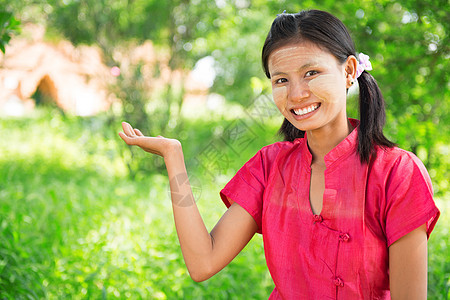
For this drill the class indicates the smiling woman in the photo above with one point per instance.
(340, 208)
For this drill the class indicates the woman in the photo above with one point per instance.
(343, 212)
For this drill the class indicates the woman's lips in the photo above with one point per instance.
(305, 110)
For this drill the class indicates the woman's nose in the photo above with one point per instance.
(298, 91)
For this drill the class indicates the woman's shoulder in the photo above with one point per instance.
(399, 163)
(396, 155)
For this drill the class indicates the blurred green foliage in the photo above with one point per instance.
(9, 26)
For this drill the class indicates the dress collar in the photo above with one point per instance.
(344, 148)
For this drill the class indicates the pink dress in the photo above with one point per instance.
(343, 252)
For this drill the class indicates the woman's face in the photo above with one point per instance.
(309, 85)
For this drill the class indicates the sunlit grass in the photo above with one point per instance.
(73, 225)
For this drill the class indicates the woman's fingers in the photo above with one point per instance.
(127, 129)
(130, 131)
(126, 138)
(137, 140)
(128, 134)
(134, 137)
(138, 132)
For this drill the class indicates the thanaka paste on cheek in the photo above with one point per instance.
(325, 87)
(279, 97)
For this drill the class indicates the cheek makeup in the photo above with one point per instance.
(325, 87)
(279, 97)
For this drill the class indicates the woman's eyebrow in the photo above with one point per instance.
(305, 66)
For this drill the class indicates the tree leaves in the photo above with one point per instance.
(8, 27)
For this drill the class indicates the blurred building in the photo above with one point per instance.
(34, 72)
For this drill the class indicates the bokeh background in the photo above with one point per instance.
(82, 215)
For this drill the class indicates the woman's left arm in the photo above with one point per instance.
(408, 266)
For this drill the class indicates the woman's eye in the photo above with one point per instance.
(310, 73)
(281, 80)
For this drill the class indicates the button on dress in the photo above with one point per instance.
(341, 253)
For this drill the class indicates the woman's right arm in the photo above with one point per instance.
(204, 253)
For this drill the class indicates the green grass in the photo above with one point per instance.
(74, 225)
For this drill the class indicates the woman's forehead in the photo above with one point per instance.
(300, 53)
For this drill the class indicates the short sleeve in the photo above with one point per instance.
(247, 187)
(409, 196)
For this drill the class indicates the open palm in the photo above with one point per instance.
(157, 145)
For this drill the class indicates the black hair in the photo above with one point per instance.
(329, 33)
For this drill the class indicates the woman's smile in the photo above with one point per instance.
(305, 111)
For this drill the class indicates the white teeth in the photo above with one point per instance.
(300, 112)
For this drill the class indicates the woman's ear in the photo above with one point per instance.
(350, 67)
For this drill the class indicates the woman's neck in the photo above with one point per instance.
(323, 140)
